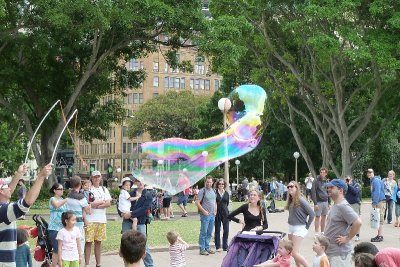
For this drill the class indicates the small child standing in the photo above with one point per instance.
(320, 245)
(282, 259)
(23, 257)
(125, 199)
(69, 242)
(177, 248)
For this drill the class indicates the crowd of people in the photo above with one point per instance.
(78, 221)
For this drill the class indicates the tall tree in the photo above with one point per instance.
(169, 115)
(330, 64)
(75, 51)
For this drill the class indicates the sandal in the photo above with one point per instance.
(396, 224)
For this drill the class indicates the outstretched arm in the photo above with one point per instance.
(33, 193)
(22, 169)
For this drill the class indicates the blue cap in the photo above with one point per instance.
(339, 183)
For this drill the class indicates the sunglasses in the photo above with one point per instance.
(290, 186)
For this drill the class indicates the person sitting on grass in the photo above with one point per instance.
(177, 249)
(283, 257)
(133, 248)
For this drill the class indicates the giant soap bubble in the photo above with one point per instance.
(174, 164)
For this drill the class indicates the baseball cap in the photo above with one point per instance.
(96, 173)
(124, 180)
(339, 183)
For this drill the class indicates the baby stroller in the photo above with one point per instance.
(246, 250)
(43, 252)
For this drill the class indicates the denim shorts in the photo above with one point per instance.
(183, 199)
(53, 240)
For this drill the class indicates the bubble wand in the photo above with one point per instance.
(37, 129)
(59, 137)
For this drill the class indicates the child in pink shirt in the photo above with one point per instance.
(283, 257)
(69, 241)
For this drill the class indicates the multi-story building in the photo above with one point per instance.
(119, 151)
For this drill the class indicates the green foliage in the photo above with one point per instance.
(75, 51)
(169, 115)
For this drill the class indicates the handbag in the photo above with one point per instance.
(375, 217)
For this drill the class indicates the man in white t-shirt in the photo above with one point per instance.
(96, 230)
(309, 181)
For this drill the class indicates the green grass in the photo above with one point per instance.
(188, 227)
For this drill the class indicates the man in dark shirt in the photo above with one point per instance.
(320, 198)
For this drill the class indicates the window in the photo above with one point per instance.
(216, 85)
(124, 148)
(171, 82)
(135, 99)
(207, 85)
(166, 82)
(133, 64)
(140, 98)
(177, 82)
(191, 84)
(125, 132)
(199, 69)
(182, 83)
(197, 84)
(155, 94)
(155, 81)
(201, 84)
(155, 66)
(130, 98)
(166, 68)
(129, 147)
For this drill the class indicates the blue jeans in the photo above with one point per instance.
(225, 224)
(389, 210)
(126, 226)
(206, 228)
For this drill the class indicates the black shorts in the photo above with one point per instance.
(166, 202)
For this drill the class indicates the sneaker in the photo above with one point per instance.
(210, 251)
(219, 250)
(204, 252)
(357, 238)
(377, 238)
(184, 215)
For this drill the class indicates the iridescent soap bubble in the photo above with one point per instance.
(174, 164)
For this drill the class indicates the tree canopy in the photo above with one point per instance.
(75, 51)
(332, 66)
(171, 115)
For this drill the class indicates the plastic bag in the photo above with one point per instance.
(375, 217)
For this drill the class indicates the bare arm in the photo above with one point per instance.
(58, 203)
(33, 193)
(106, 204)
(59, 252)
(22, 169)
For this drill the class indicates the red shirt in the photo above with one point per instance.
(388, 257)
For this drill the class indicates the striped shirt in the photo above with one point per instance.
(9, 213)
(177, 255)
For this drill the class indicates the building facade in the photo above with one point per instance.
(122, 153)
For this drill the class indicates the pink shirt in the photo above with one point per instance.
(388, 257)
(283, 261)
(69, 243)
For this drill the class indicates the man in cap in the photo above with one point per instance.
(97, 219)
(140, 210)
(343, 223)
(378, 201)
(11, 211)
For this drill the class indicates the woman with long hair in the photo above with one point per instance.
(222, 200)
(57, 207)
(254, 215)
(300, 218)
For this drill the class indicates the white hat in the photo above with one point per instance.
(124, 180)
(96, 173)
